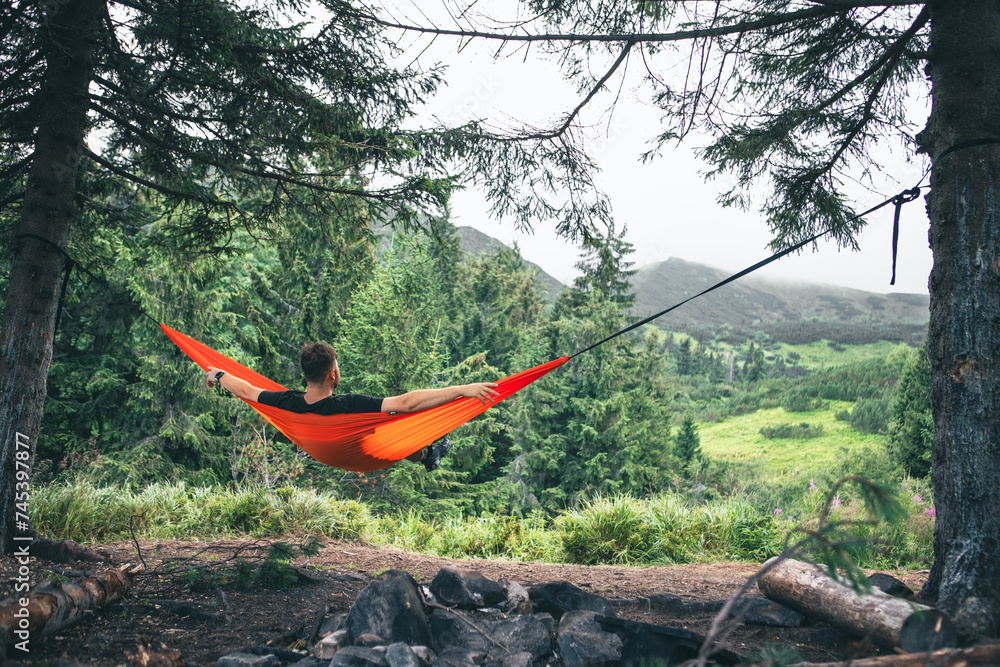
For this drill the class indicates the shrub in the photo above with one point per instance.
(801, 399)
(802, 430)
(871, 415)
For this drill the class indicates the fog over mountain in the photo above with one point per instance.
(747, 302)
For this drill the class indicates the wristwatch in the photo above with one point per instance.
(219, 375)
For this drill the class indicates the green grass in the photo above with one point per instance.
(821, 355)
(666, 528)
(739, 439)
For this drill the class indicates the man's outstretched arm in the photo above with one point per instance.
(424, 399)
(234, 385)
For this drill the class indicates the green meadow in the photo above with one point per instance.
(738, 439)
(821, 355)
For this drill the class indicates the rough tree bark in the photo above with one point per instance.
(48, 211)
(964, 337)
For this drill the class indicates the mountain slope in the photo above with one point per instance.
(476, 243)
(749, 301)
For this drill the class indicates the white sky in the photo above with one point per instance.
(668, 208)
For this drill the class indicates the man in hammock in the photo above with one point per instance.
(322, 374)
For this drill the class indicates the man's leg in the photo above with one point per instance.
(432, 454)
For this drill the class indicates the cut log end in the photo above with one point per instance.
(927, 630)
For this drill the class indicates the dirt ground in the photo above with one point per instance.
(341, 570)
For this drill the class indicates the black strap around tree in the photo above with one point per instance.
(972, 143)
(898, 200)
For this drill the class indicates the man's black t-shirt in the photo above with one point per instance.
(293, 401)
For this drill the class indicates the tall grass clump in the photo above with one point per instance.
(734, 529)
(877, 540)
(498, 536)
(608, 530)
(624, 530)
(83, 512)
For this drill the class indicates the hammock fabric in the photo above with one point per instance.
(361, 442)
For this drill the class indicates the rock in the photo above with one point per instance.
(310, 662)
(522, 659)
(400, 655)
(331, 624)
(455, 656)
(547, 621)
(358, 656)
(327, 647)
(559, 597)
(890, 585)
(239, 659)
(283, 656)
(369, 640)
(582, 642)
(518, 601)
(767, 612)
(347, 576)
(515, 634)
(465, 588)
(425, 654)
(644, 643)
(391, 608)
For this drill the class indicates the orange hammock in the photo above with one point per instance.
(361, 442)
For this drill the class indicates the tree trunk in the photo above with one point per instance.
(964, 336)
(60, 115)
(887, 620)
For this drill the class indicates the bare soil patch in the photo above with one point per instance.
(341, 570)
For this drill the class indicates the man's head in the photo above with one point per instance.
(317, 360)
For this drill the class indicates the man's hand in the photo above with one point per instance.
(233, 384)
(210, 375)
(482, 390)
(425, 399)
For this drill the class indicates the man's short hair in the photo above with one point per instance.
(317, 360)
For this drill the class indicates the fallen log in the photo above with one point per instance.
(53, 606)
(887, 620)
(988, 654)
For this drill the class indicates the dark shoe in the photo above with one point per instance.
(435, 452)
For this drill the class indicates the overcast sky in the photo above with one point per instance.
(668, 208)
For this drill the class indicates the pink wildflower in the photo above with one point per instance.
(931, 512)
(836, 503)
(812, 485)
(777, 511)
(917, 499)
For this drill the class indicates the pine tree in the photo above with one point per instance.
(687, 444)
(753, 366)
(911, 428)
(685, 365)
(601, 424)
